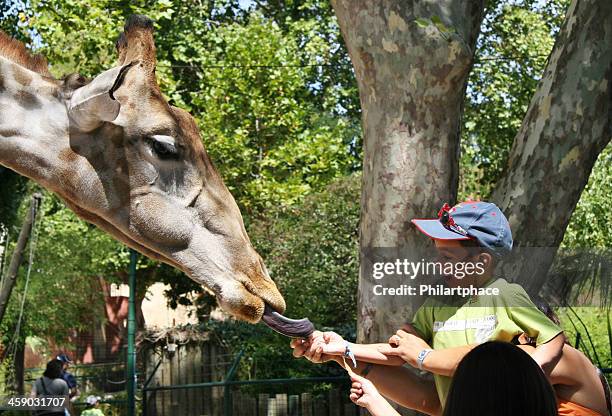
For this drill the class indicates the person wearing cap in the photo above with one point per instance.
(93, 404)
(442, 333)
(480, 232)
(68, 377)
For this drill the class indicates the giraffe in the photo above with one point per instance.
(126, 161)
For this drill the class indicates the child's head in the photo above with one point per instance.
(92, 401)
(472, 264)
(471, 232)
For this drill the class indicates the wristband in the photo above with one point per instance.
(349, 354)
(421, 357)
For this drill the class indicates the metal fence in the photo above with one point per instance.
(244, 398)
(320, 396)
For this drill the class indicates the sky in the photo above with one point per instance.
(245, 4)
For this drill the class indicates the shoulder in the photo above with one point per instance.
(502, 283)
(512, 292)
(59, 382)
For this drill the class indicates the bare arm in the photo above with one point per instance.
(370, 353)
(332, 344)
(548, 355)
(402, 386)
(408, 346)
(445, 362)
(397, 383)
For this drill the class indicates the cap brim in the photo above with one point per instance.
(433, 228)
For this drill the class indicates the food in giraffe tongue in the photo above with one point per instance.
(295, 328)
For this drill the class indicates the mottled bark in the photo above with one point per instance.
(567, 125)
(411, 74)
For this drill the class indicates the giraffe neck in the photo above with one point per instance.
(33, 122)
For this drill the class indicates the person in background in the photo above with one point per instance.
(93, 407)
(69, 379)
(51, 384)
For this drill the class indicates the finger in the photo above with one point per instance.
(299, 351)
(356, 385)
(317, 354)
(357, 391)
(354, 397)
(394, 340)
(315, 335)
(327, 336)
(296, 342)
(401, 333)
(388, 349)
(309, 354)
(357, 378)
(315, 346)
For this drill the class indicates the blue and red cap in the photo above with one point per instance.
(470, 220)
(63, 358)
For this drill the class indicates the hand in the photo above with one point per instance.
(363, 392)
(406, 346)
(333, 344)
(313, 347)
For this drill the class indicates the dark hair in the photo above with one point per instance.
(54, 369)
(499, 379)
(546, 309)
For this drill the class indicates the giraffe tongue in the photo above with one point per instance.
(295, 328)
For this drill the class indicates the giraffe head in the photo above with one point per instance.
(124, 159)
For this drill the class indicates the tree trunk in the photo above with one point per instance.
(19, 367)
(568, 123)
(411, 62)
(17, 257)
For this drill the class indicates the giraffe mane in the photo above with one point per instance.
(15, 51)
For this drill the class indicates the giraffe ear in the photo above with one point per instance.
(94, 103)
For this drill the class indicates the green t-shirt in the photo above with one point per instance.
(92, 412)
(484, 318)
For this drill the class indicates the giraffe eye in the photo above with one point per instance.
(163, 147)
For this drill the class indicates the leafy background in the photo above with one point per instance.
(272, 89)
